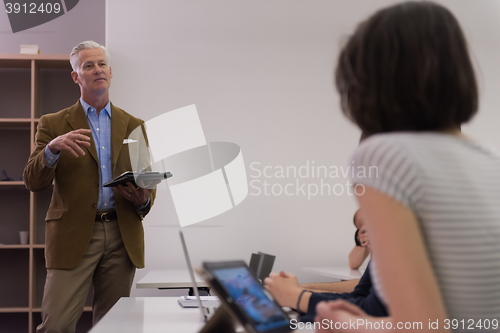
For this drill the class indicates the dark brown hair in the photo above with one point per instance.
(407, 68)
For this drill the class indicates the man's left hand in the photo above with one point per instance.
(138, 195)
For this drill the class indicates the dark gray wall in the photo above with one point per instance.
(85, 21)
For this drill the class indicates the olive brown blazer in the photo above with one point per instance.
(71, 214)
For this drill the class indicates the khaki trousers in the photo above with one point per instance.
(105, 264)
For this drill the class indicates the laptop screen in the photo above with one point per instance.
(247, 294)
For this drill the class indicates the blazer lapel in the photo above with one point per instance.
(77, 120)
(119, 124)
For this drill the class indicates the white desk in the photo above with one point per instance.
(169, 279)
(151, 315)
(340, 272)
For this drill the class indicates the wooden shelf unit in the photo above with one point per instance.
(30, 86)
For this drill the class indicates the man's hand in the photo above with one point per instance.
(72, 142)
(138, 195)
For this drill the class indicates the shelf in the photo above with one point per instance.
(23, 57)
(16, 184)
(14, 310)
(30, 86)
(21, 246)
(13, 246)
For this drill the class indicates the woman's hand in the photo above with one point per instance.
(363, 237)
(342, 316)
(284, 287)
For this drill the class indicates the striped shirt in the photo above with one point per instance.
(452, 185)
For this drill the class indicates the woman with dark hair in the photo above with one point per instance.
(432, 209)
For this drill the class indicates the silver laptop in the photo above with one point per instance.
(207, 307)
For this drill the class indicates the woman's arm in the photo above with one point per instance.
(403, 266)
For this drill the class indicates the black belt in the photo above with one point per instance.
(106, 216)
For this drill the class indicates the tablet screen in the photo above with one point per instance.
(248, 295)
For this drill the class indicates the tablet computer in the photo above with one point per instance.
(244, 297)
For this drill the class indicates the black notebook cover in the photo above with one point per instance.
(148, 177)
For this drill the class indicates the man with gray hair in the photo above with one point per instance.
(94, 234)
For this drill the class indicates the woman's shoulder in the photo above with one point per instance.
(386, 162)
(399, 150)
(378, 145)
(404, 138)
(423, 153)
(415, 142)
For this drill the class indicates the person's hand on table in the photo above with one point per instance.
(284, 287)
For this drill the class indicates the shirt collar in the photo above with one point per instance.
(86, 106)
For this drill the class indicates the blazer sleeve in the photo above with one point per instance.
(37, 174)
